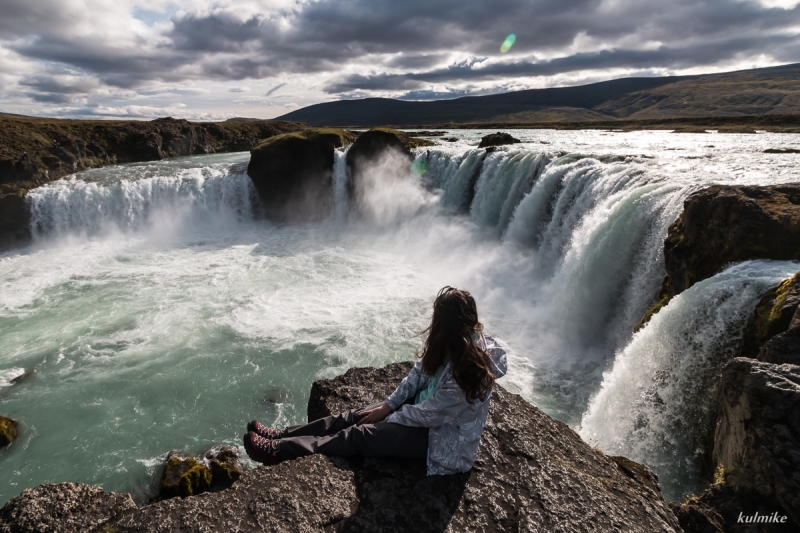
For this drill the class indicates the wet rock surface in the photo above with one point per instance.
(293, 173)
(8, 431)
(772, 316)
(183, 476)
(532, 474)
(497, 139)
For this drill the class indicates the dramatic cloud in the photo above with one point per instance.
(187, 57)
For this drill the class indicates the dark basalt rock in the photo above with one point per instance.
(532, 473)
(772, 316)
(497, 139)
(225, 465)
(717, 510)
(758, 433)
(293, 173)
(725, 224)
(65, 507)
(782, 151)
(374, 147)
(183, 476)
(783, 348)
(8, 431)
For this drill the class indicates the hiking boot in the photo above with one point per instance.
(260, 429)
(261, 449)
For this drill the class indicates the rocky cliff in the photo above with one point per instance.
(532, 474)
(36, 151)
(725, 224)
(757, 431)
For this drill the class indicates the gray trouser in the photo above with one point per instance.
(339, 436)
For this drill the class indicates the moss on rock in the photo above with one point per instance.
(226, 466)
(184, 476)
(8, 431)
(772, 315)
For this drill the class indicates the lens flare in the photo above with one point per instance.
(508, 43)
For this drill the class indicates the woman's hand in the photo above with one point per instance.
(373, 416)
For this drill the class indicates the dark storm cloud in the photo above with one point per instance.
(404, 46)
(664, 57)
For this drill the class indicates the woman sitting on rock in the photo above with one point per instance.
(437, 412)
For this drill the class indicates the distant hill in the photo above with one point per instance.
(774, 90)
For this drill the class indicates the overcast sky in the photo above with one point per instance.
(201, 59)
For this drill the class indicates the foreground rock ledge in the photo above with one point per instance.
(532, 474)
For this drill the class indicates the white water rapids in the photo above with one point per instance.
(161, 313)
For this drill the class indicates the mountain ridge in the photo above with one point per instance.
(771, 90)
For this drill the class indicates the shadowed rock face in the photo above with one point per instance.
(532, 474)
(293, 173)
(724, 224)
(758, 433)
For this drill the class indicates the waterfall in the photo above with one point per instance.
(340, 179)
(655, 405)
(84, 206)
(594, 227)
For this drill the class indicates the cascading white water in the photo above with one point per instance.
(340, 179)
(131, 199)
(233, 318)
(655, 404)
(593, 228)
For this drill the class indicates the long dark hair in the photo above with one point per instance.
(455, 319)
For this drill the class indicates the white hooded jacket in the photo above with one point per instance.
(455, 424)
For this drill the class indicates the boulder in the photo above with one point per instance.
(225, 465)
(64, 507)
(757, 436)
(183, 476)
(380, 147)
(724, 224)
(532, 473)
(293, 173)
(8, 431)
(497, 139)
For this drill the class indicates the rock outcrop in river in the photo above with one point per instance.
(36, 151)
(376, 156)
(293, 173)
(532, 474)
